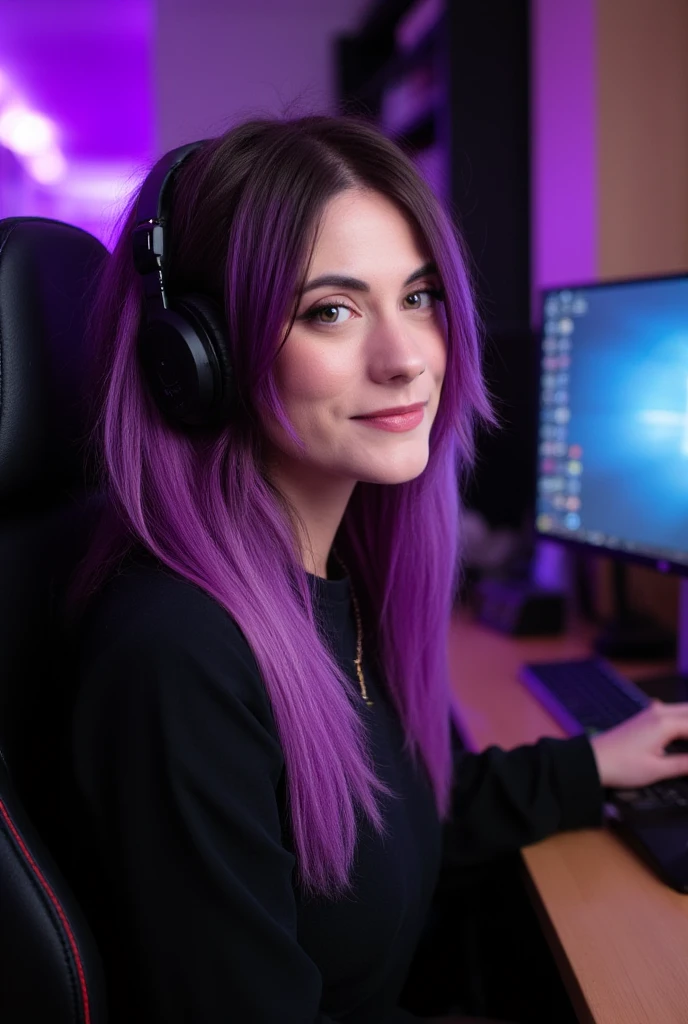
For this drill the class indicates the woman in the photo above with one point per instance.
(263, 734)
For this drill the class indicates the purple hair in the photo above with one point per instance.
(245, 211)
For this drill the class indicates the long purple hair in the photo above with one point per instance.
(246, 208)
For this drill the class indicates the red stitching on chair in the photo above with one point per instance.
(56, 904)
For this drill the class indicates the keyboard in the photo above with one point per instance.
(584, 694)
(588, 695)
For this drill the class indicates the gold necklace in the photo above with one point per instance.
(358, 660)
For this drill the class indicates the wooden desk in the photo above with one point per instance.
(619, 935)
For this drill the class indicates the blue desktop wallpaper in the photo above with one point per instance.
(628, 401)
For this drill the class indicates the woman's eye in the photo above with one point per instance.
(423, 299)
(332, 313)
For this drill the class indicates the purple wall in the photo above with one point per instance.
(563, 177)
(563, 140)
(213, 67)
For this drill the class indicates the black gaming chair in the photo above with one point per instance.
(50, 969)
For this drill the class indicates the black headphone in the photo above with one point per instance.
(183, 345)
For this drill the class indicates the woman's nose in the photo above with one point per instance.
(395, 352)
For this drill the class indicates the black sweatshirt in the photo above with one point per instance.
(187, 866)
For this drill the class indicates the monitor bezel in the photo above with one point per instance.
(663, 565)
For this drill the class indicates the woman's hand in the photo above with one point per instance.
(632, 754)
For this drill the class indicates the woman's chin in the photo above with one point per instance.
(395, 471)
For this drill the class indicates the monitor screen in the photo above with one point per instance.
(613, 418)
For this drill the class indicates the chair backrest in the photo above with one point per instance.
(49, 966)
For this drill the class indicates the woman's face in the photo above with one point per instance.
(368, 337)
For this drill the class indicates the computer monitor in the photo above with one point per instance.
(612, 461)
(612, 458)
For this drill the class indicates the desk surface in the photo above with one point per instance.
(620, 936)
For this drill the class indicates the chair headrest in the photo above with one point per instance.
(47, 271)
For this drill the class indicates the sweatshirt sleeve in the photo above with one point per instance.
(176, 755)
(506, 799)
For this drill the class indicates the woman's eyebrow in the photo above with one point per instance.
(354, 284)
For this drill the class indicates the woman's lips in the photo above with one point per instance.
(397, 422)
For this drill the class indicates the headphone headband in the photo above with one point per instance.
(152, 209)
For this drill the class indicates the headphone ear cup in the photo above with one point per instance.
(210, 317)
(185, 358)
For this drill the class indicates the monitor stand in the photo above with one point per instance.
(673, 688)
(632, 635)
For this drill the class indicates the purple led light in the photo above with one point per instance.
(76, 108)
(30, 135)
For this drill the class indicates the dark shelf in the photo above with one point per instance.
(420, 134)
(398, 65)
(383, 18)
